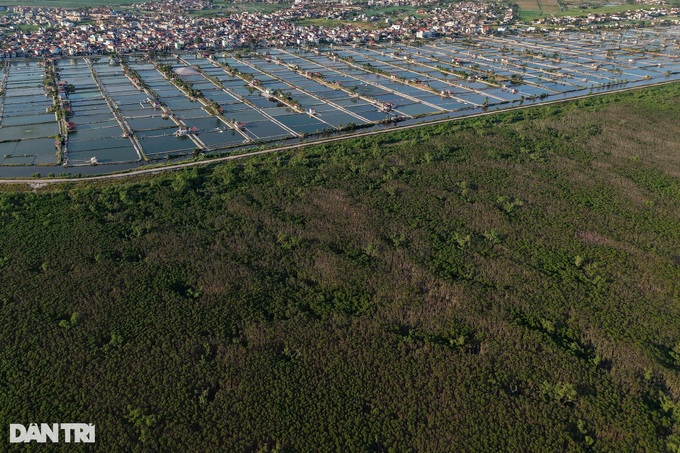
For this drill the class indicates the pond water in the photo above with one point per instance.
(28, 131)
(104, 155)
(165, 144)
(223, 139)
(148, 123)
(27, 128)
(296, 121)
(207, 123)
(75, 144)
(27, 119)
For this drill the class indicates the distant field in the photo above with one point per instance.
(549, 6)
(25, 28)
(533, 9)
(604, 9)
(410, 10)
(334, 23)
(262, 7)
(528, 9)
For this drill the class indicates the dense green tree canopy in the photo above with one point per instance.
(505, 283)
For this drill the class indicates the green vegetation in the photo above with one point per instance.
(528, 15)
(605, 9)
(330, 23)
(25, 28)
(502, 283)
(394, 11)
(222, 7)
(530, 9)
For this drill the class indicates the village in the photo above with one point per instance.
(170, 26)
(92, 31)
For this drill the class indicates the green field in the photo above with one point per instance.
(534, 9)
(251, 7)
(605, 9)
(24, 28)
(502, 283)
(330, 23)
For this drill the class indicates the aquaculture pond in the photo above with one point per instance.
(100, 114)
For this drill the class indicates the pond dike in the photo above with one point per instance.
(122, 122)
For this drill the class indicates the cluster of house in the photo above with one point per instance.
(31, 31)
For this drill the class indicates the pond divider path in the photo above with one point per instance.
(332, 85)
(415, 84)
(295, 107)
(250, 104)
(535, 47)
(511, 65)
(216, 114)
(171, 115)
(308, 93)
(52, 75)
(299, 110)
(399, 93)
(154, 98)
(115, 111)
(365, 98)
(3, 89)
(431, 76)
(469, 69)
(178, 121)
(580, 54)
(550, 75)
